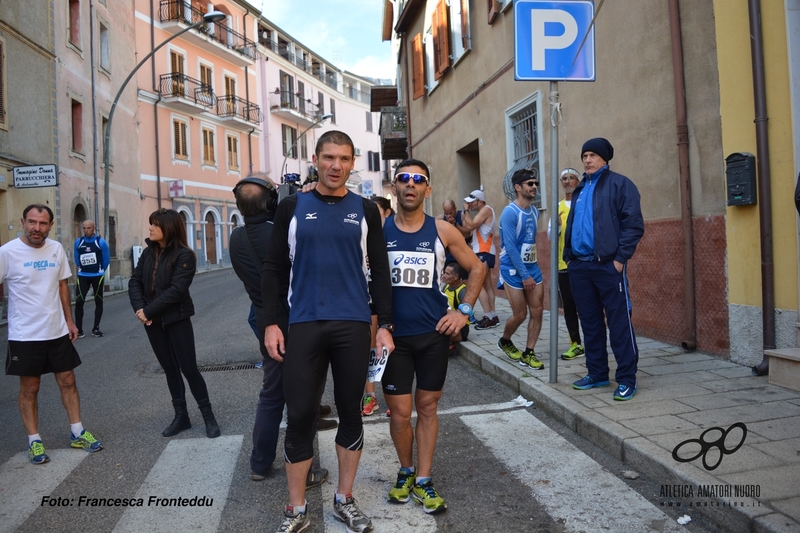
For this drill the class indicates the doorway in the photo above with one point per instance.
(211, 239)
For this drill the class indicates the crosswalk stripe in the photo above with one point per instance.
(376, 474)
(558, 473)
(23, 486)
(187, 471)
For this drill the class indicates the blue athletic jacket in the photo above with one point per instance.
(618, 221)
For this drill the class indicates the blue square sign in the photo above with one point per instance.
(553, 41)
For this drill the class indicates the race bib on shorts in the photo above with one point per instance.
(412, 269)
(528, 253)
(89, 259)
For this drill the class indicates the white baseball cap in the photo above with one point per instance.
(475, 195)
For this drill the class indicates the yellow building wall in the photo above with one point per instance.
(739, 135)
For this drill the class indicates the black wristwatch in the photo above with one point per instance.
(389, 327)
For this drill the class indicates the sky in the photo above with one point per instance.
(345, 32)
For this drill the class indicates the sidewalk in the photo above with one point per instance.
(680, 395)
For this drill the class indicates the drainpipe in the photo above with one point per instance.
(408, 100)
(250, 147)
(764, 187)
(690, 318)
(155, 106)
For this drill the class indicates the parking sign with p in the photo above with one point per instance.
(553, 41)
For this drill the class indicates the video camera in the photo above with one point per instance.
(291, 183)
(289, 186)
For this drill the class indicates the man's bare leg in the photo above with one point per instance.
(296, 479)
(536, 305)
(400, 427)
(28, 403)
(348, 467)
(427, 429)
(69, 395)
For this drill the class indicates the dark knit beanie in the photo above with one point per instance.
(599, 146)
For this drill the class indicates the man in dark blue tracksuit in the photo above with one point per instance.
(605, 225)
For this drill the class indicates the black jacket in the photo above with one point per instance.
(170, 300)
(258, 230)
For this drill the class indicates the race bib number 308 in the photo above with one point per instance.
(412, 269)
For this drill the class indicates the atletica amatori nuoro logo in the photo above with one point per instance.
(703, 446)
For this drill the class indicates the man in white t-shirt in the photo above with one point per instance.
(40, 327)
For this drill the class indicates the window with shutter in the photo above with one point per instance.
(441, 48)
(209, 156)
(74, 29)
(417, 67)
(178, 82)
(494, 10)
(233, 153)
(206, 79)
(437, 67)
(77, 127)
(464, 24)
(179, 138)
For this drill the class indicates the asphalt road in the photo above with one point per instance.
(500, 467)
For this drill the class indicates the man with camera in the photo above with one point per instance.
(257, 198)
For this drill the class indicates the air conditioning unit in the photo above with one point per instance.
(358, 151)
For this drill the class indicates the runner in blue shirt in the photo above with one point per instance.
(519, 269)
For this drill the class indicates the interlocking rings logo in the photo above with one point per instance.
(351, 216)
(707, 446)
(425, 244)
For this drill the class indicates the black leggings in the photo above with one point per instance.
(173, 345)
(81, 290)
(311, 347)
(570, 311)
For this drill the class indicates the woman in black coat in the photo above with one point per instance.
(159, 293)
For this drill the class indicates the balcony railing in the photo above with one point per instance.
(177, 84)
(330, 80)
(233, 106)
(355, 94)
(291, 101)
(182, 11)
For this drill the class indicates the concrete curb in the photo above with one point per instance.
(621, 442)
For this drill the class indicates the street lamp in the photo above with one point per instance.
(289, 151)
(213, 16)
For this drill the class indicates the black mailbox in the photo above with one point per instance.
(740, 171)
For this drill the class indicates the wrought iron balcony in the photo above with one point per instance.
(183, 12)
(192, 92)
(293, 107)
(233, 107)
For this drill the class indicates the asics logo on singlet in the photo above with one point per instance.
(391, 244)
(410, 260)
(311, 216)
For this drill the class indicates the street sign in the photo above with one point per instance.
(548, 38)
(366, 188)
(35, 176)
(176, 189)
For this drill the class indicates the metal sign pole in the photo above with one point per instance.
(554, 229)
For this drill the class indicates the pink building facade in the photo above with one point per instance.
(199, 120)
